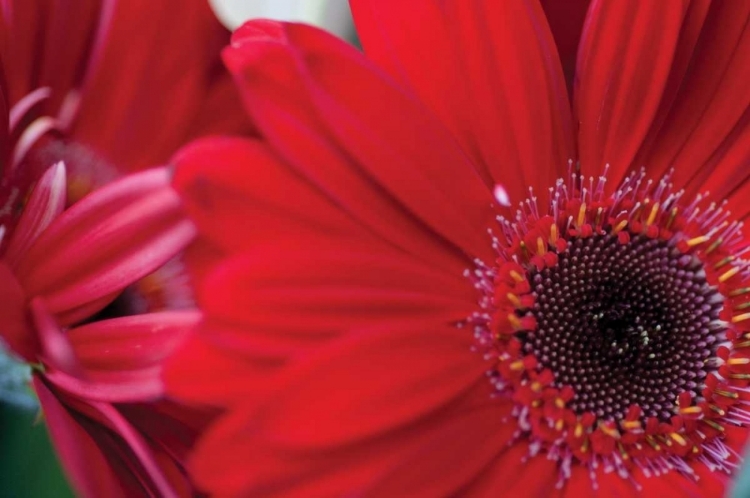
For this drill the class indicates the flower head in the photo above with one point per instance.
(91, 298)
(394, 324)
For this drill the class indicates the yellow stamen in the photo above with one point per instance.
(727, 394)
(541, 247)
(729, 274)
(714, 425)
(691, 410)
(514, 299)
(516, 365)
(610, 431)
(553, 233)
(652, 215)
(623, 453)
(724, 261)
(516, 276)
(631, 424)
(739, 292)
(714, 245)
(598, 216)
(560, 403)
(717, 410)
(536, 386)
(514, 321)
(672, 216)
(578, 430)
(738, 361)
(582, 214)
(740, 318)
(559, 424)
(740, 376)
(697, 240)
(585, 446)
(620, 226)
(742, 306)
(653, 443)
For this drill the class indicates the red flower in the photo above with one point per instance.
(91, 91)
(378, 321)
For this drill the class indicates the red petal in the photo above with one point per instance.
(379, 378)
(46, 43)
(566, 23)
(233, 445)
(46, 203)
(490, 71)
(327, 289)
(90, 252)
(158, 88)
(132, 342)
(203, 373)
(330, 114)
(624, 64)
(82, 459)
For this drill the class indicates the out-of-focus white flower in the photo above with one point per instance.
(332, 15)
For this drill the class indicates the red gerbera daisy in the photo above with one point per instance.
(92, 90)
(380, 321)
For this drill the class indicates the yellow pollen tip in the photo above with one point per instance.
(729, 274)
(727, 394)
(740, 318)
(516, 276)
(714, 245)
(652, 214)
(739, 292)
(559, 424)
(516, 365)
(553, 233)
(697, 240)
(536, 403)
(717, 410)
(738, 361)
(740, 376)
(582, 214)
(585, 446)
(610, 431)
(672, 216)
(724, 261)
(620, 226)
(560, 403)
(514, 321)
(631, 424)
(714, 425)
(678, 438)
(536, 386)
(514, 299)
(579, 430)
(541, 247)
(653, 443)
(691, 410)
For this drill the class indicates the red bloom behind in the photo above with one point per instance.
(379, 322)
(93, 90)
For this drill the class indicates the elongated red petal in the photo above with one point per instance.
(46, 203)
(490, 71)
(82, 459)
(624, 65)
(329, 113)
(90, 252)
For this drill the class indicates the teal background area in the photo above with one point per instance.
(28, 465)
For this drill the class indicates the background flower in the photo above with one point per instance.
(93, 90)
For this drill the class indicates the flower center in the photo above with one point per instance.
(623, 324)
(619, 326)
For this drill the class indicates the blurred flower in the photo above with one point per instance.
(379, 321)
(94, 295)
